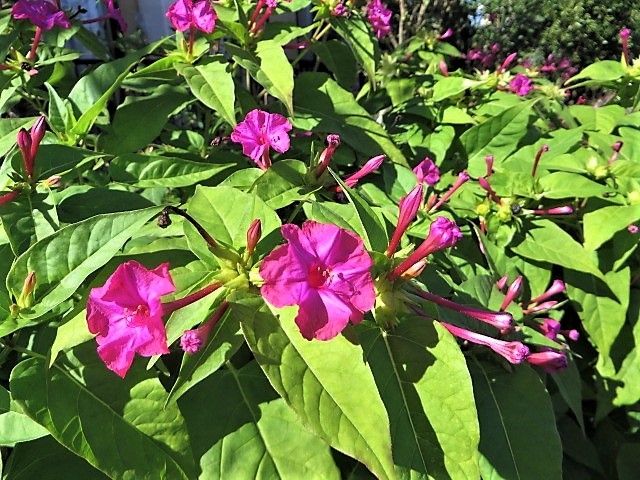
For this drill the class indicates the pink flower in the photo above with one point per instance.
(633, 229)
(550, 328)
(443, 233)
(126, 314)
(333, 142)
(371, 166)
(507, 62)
(29, 144)
(409, 206)
(448, 33)
(512, 293)
(44, 14)
(379, 17)
(556, 287)
(323, 269)
(549, 361)
(463, 177)
(564, 210)
(115, 13)
(514, 352)
(192, 15)
(340, 10)
(521, 85)
(427, 171)
(260, 131)
(192, 341)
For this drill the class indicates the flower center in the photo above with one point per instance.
(134, 317)
(318, 275)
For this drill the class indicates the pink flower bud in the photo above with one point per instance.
(488, 160)
(333, 142)
(463, 177)
(444, 69)
(556, 287)
(254, 232)
(514, 352)
(25, 300)
(543, 149)
(484, 183)
(616, 147)
(500, 320)
(502, 282)
(9, 197)
(371, 166)
(572, 334)
(448, 33)
(550, 361)
(29, 144)
(550, 328)
(192, 341)
(427, 171)
(409, 206)
(512, 293)
(564, 210)
(633, 229)
(443, 233)
(542, 307)
(507, 62)
(625, 35)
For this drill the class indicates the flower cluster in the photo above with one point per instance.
(379, 17)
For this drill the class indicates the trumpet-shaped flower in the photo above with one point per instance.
(192, 15)
(379, 17)
(261, 131)
(427, 171)
(44, 14)
(323, 269)
(126, 314)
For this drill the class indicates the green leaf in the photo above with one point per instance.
(223, 342)
(70, 334)
(65, 259)
(629, 373)
(600, 119)
(275, 72)
(16, 427)
(46, 459)
(570, 387)
(9, 128)
(602, 315)
(318, 380)
(282, 184)
(124, 134)
(423, 380)
(547, 242)
(226, 213)
(628, 461)
(451, 86)
(27, 219)
(604, 71)
(118, 426)
(570, 185)
(323, 106)
(150, 171)
(251, 433)
(213, 85)
(518, 436)
(355, 31)
(498, 136)
(339, 59)
(602, 224)
(60, 118)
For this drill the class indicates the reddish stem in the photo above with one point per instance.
(34, 46)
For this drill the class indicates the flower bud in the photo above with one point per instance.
(563, 210)
(254, 232)
(448, 33)
(502, 282)
(463, 177)
(550, 361)
(512, 293)
(371, 166)
(409, 206)
(192, 341)
(427, 172)
(333, 142)
(513, 352)
(25, 300)
(488, 160)
(542, 150)
(444, 69)
(556, 287)
(507, 62)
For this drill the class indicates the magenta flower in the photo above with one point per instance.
(427, 171)
(409, 206)
(514, 352)
(507, 62)
(379, 17)
(340, 10)
(192, 341)
(371, 166)
(463, 177)
(550, 361)
(448, 33)
(323, 269)
(29, 144)
(260, 131)
(633, 229)
(443, 233)
(192, 15)
(556, 287)
(512, 293)
(115, 13)
(126, 314)
(521, 85)
(44, 14)
(550, 328)
(563, 210)
(333, 142)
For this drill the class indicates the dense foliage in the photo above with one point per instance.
(262, 250)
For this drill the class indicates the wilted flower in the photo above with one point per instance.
(115, 13)
(44, 14)
(427, 171)
(260, 131)
(126, 314)
(521, 85)
(192, 15)
(379, 17)
(192, 341)
(323, 269)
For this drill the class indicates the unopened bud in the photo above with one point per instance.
(25, 300)
(254, 233)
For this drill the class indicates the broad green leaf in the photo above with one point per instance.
(570, 185)
(602, 224)
(9, 128)
(65, 259)
(355, 31)
(251, 433)
(275, 72)
(498, 136)
(601, 313)
(213, 85)
(570, 387)
(518, 436)
(323, 106)
(70, 334)
(60, 118)
(118, 426)
(604, 71)
(547, 242)
(451, 86)
(282, 184)
(16, 427)
(601, 119)
(149, 171)
(629, 373)
(223, 342)
(423, 380)
(27, 219)
(318, 381)
(226, 213)
(339, 59)
(46, 459)
(81, 202)
(124, 134)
